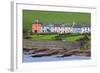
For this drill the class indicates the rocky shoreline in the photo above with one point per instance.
(37, 52)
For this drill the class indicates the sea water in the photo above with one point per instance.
(29, 58)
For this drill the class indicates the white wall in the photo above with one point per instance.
(5, 35)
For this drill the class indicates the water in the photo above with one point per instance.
(28, 58)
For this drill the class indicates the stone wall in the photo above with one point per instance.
(50, 44)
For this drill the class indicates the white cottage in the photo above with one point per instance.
(68, 29)
(81, 29)
(51, 27)
(57, 28)
(46, 28)
(86, 29)
(64, 28)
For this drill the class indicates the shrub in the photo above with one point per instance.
(84, 38)
(84, 42)
(27, 37)
(58, 37)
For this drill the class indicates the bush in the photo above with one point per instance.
(44, 33)
(86, 34)
(58, 37)
(27, 37)
(85, 38)
(84, 42)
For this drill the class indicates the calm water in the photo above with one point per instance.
(28, 58)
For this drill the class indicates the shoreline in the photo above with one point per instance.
(36, 52)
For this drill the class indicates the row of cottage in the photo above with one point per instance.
(38, 27)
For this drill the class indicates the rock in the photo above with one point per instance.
(41, 55)
(40, 52)
(65, 55)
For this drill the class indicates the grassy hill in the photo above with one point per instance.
(30, 16)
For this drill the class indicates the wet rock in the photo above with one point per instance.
(40, 52)
(41, 55)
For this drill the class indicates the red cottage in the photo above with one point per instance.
(36, 27)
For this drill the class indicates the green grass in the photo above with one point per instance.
(47, 37)
(30, 16)
(43, 37)
(73, 38)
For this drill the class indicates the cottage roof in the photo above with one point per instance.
(36, 23)
(57, 25)
(68, 25)
(63, 25)
(46, 25)
(81, 25)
